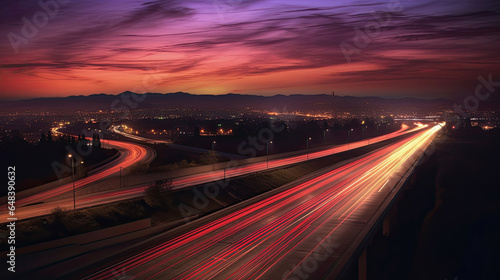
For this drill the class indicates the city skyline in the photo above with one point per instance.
(359, 48)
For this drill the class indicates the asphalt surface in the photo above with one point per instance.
(299, 233)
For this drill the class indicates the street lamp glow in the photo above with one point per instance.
(267, 153)
(73, 178)
(349, 137)
(307, 147)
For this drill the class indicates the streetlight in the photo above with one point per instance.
(307, 147)
(103, 141)
(213, 166)
(73, 177)
(349, 137)
(121, 177)
(267, 152)
(324, 135)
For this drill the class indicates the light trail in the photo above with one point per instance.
(191, 180)
(262, 240)
(136, 153)
(131, 154)
(115, 129)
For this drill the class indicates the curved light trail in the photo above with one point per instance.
(201, 178)
(136, 153)
(130, 155)
(283, 235)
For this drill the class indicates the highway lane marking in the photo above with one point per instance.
(384, 185)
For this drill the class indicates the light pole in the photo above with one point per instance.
(307, 147)
(349, 137)
(103, 143)
(324, 135)
(121, 176)
(73, 177)
(267, 152)
(213, 166)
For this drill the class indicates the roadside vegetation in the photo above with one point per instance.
(35, 161)
(169, 159)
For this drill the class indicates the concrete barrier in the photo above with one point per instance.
(86, 238)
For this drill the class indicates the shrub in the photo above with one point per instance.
(154, 192)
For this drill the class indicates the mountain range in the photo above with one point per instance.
(227, 101)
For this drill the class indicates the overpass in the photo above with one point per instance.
(315, 228)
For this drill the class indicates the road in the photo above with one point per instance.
(201, 178)
(137, 152)
(130, 155)
(298, 233)
(116, 129)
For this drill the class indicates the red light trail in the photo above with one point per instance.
(263, 239)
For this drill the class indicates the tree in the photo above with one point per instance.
(153, 193)
(196, 131)
(59, 215)
(325, 125)
(49, 137)
(43, 139)
(313, 128)
(209, 157)
(355, 124)
(81, 171)
(96, 141)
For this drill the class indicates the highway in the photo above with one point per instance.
(116, 129)
(130, 154)
(52, 198)
(201, 178)
(298, 233)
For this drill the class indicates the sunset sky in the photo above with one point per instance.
(417, 48)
